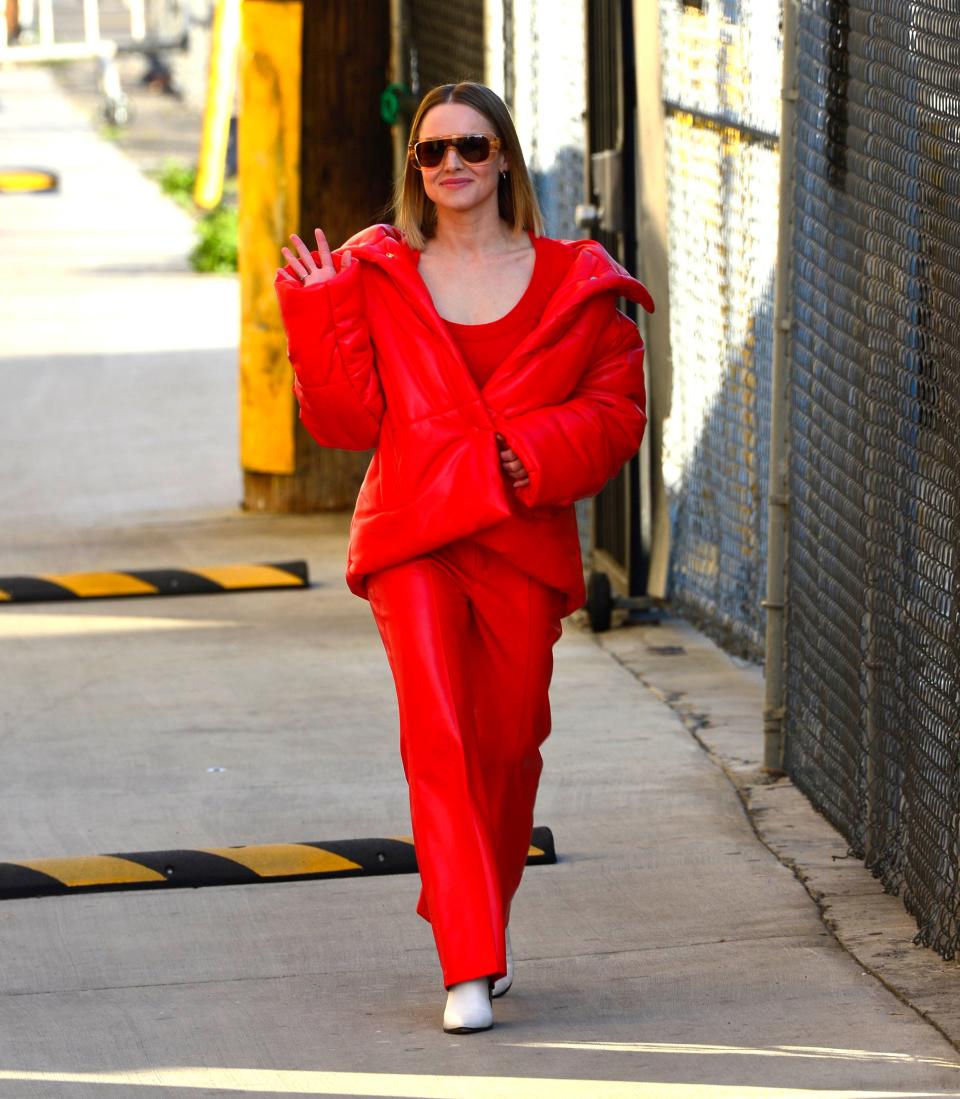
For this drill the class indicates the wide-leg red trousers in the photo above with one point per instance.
(469, 639)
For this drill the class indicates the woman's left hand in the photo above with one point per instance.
(512, 465)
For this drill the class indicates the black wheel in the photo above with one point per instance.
(599, 601)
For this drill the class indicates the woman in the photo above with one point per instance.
(492, 371)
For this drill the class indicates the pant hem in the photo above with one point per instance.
(457, 977)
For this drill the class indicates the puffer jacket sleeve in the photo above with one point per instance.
(335, 375)
(571, 450)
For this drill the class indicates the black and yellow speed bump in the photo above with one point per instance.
(50, 587)
(21, 181)
(269, 862)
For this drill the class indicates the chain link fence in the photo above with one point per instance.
(873, 550)
(721, 90)
(873, 664)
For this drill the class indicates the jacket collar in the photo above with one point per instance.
(592, 263)
(593, 271)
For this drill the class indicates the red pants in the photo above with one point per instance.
(470, 642)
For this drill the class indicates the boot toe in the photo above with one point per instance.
(468, 1007)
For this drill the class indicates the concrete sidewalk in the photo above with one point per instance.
(667, 954)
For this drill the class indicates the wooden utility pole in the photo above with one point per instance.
(12, 19)
(312, 151)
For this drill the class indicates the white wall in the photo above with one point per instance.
(549, 99)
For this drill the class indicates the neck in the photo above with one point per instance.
(470, 234)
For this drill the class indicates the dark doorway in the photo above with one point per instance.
(621, 516)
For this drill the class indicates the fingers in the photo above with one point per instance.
(326, 260)
(288, 277)
(304, 265)
(297, 266)
(306, 258)
(512, 465)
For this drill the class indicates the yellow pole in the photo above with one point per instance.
(224, 49)
(268, 163)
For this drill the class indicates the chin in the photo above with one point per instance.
(459, 201)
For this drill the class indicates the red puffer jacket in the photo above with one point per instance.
(376, 367)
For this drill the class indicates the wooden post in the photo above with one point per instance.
(12, 21)
(312, 151)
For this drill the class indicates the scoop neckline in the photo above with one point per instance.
(520, 301)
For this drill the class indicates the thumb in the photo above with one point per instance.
(347, 259)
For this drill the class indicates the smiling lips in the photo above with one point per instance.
(454, 182)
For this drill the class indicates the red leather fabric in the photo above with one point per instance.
(470, 642)
(375, 366)
(485, 346)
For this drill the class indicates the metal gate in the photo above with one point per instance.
(720, 66)
(445, 43)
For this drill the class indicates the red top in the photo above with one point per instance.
(485, 346)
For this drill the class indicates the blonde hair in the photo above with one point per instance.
(415, 215)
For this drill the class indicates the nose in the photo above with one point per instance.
(457, 162)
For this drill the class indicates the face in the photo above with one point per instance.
(455, 184)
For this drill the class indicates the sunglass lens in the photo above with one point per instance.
(430, 153)
(475, 148)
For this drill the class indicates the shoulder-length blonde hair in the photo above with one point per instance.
(415, 215)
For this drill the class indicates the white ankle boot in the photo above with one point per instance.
(468, 1007)
(504, 983)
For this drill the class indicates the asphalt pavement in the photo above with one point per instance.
(668, 953)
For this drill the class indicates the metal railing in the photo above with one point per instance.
(97, 30)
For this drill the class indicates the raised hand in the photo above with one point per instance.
(305, 268)
(512, 465)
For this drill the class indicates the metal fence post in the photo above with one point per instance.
(775, 602)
